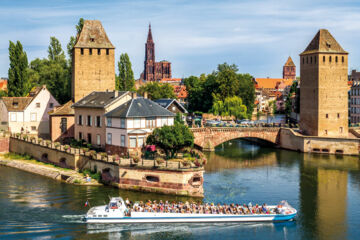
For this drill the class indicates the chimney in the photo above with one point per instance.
(145, 95)
(133, 95)
(116, 94)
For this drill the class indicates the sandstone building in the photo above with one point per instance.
(93, 61)
(324, 95)
(154, 71)
(289, 70)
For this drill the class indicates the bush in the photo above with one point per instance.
(57, 144)
(136, 159)
(67, 147)
(103, 155)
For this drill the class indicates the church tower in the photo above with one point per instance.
(323, 87)
(149, 64)
(93, 61)
(289, 70)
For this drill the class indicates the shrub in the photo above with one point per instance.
(17, 135)
(57, 144)
(67, 147)
(136, 159)
(103, 155)
(32, 138)
(25, 137)
(40, 140)
(47, 142)
(85, 149)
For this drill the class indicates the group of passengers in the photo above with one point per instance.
(180, 207)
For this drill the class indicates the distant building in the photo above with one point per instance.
(129, 124)
(93, 61)
(89, 115)
(289, 70)
(354, 95)
(173, 106)
(62, 123)
(323, 87)
(154, 71)
(28, 114)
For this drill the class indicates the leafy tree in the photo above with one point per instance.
(231, 106)
(18, 84)
(246, 92)
(171, 138)
(226, 80)
(55, 52)
(178, 118)
(125, 81)
(157, 90)
(3, 93)
(288, 102)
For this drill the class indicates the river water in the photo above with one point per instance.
(324, 189)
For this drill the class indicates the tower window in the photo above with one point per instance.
(107, 51)
(341, 129)
(342, 58)
(327, 115)
(99, 51)
(90, 51)
(82, 51)
(336, 59)
(338, 115)
(325, 132)
(330, 59)
(310, 59)
(323, 58)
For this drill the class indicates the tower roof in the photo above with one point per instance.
(93, 35)
(149, 37)
(323, 42)
(289, 62)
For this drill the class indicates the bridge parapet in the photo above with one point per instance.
(208, 138)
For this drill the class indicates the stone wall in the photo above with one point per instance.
(289, 139)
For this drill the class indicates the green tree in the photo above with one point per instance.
(231, 106)
(226, 80)
(55, 52)
(73, 39)
(18, 84)
(157, 90)
(246, 92)
(125, 81)
(171, 138)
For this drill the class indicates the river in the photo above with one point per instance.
(324, 189)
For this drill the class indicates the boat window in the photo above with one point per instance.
(152, 178)
(196, 179)
(105, 215)
(99, 215)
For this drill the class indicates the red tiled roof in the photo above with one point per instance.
(271, 83)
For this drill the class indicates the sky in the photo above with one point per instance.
(195, 36)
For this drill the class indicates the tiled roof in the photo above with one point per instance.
(166, 102)
(180, 91)
(170, 80)
(271, 83)
(98, 99)
(65, 109)
(139, 107)
(16, 104)
(93, 35)
(3, 84)
(290, 62)
(323, 42)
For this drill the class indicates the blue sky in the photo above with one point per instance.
(256, 35)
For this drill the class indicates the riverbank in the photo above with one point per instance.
(48, 170)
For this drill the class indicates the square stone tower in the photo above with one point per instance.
(93, 61)
(323, 87)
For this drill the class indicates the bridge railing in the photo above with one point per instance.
(257, 125)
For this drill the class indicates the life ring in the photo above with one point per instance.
(114, 207)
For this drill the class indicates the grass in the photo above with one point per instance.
(30, 159)
(92, 174)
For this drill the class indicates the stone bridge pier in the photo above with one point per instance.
(209, 137)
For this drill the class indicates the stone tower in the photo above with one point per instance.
(289, 69)
(93, 61)
(149, 64)
(323, 87)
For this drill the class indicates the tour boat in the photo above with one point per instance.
(117, 212)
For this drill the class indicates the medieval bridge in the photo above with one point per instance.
(209, 137)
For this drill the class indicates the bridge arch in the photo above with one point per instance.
(208, 138)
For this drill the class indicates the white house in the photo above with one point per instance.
(28, 114)
(128, 125)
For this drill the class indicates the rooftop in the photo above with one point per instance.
(289, 62)
(272, 83)
(323, 42)
(166, 102)
(139, 107)
(18, 104)
(63, 110)
(93, 35)
(99, 99)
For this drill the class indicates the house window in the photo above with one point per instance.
(98, 121)
(132, 142)
(140, 142)
(137, 122)
(80, 136)
(63, 125)
(90, 51)
(82, 51)
(109, 138)
(99, 51)
(33, 117)
(107, 51)
(33, 128)
(98, 139)
(13, 117)
(80, 120)
(89, 120)
(109, 123)
(150, 122)
(89, 137)
(51, 105)
(38, 105)
(122, 143)
(122, 123)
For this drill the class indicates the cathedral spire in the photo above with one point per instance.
(149, 38)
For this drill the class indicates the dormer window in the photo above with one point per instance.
(92, 39)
